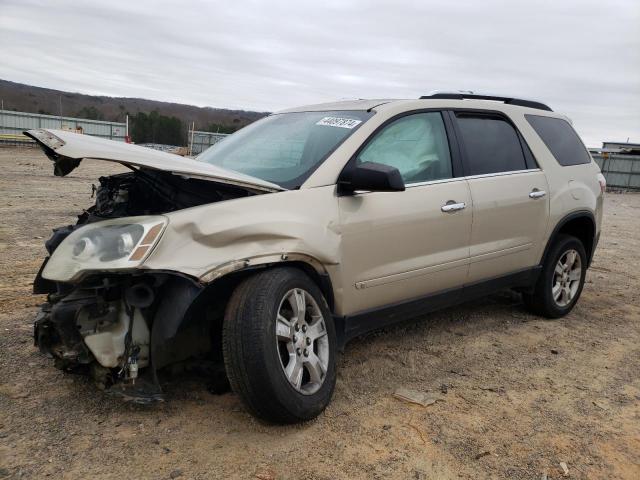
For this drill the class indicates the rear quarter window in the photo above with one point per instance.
(561, 139)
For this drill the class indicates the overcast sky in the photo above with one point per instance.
(580, 57)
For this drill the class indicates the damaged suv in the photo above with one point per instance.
(269, 251)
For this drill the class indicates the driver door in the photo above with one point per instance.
(398, 246)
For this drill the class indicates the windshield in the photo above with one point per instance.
(285, 148)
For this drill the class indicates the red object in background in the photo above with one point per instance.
(127, 139)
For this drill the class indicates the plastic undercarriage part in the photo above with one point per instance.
(100, 329)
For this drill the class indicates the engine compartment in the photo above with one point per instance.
(148, 192)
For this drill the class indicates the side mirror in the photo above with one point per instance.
(370, 177)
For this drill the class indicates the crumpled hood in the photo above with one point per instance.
(67, 149)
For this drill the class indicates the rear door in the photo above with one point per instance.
(398, 246)
(509, 194)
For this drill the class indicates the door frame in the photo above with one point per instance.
(530, 160)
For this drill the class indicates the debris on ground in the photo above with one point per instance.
(565, 469)
(492, 389)
(265, 473)
(600, 405)
(412, 396)
(483, 453)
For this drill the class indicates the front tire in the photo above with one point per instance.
(279, 346)
(561, 280)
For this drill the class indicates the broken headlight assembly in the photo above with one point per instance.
(112, 245)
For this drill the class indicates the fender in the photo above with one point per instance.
(311, 265)
(262, 260)
(563, 222)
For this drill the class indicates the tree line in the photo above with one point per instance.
(157, 128)
(154, 127)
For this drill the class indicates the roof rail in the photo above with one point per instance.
(461, 95)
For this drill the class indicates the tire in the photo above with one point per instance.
(544, 300)
(257, 359)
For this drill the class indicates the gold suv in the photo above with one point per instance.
(263, 256)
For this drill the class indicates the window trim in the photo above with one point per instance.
(494, 113)
(435, 182)
(454, 151)
(502, 174)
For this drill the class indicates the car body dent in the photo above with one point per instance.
(220, 238)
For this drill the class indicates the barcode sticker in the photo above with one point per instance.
(339, 122)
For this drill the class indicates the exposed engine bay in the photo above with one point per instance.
(145, 192)
(113, 325)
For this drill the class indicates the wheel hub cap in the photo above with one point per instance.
(566, 278)
(302, 342)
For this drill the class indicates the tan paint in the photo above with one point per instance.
(507, 223)
(400, 245)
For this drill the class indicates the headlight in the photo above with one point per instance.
(110, 245)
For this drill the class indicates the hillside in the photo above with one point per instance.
(27, 98)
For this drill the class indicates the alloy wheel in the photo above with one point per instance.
(302, 342)
(566, 278)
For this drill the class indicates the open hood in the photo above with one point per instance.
(67, 149)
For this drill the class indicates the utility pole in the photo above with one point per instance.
(60, 105)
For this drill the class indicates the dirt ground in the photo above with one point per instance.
(517, 395)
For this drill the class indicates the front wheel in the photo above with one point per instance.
(561, 280)
(279, 346)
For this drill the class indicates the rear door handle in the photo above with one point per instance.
(452, 206)
(535, 193)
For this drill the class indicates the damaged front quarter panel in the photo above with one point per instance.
(217, 239)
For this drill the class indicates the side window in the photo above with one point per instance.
(491, 144)
(416, 145)
(561, 139)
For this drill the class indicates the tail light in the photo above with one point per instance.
(603, 183)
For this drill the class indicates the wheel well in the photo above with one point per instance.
(213, 300)
(582, 227)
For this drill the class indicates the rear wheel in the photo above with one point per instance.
(561, 280)
(279, 346)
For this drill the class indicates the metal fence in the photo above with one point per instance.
(12, 124)
(203, 140)
(620, 170)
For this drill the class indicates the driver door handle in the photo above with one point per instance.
(452, 206)
(535, 193)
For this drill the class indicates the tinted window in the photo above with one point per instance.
(416, 145)
(561, 139)
(491, 145)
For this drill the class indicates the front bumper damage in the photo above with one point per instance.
(120, 329)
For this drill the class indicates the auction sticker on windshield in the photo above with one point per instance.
(339, 122)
